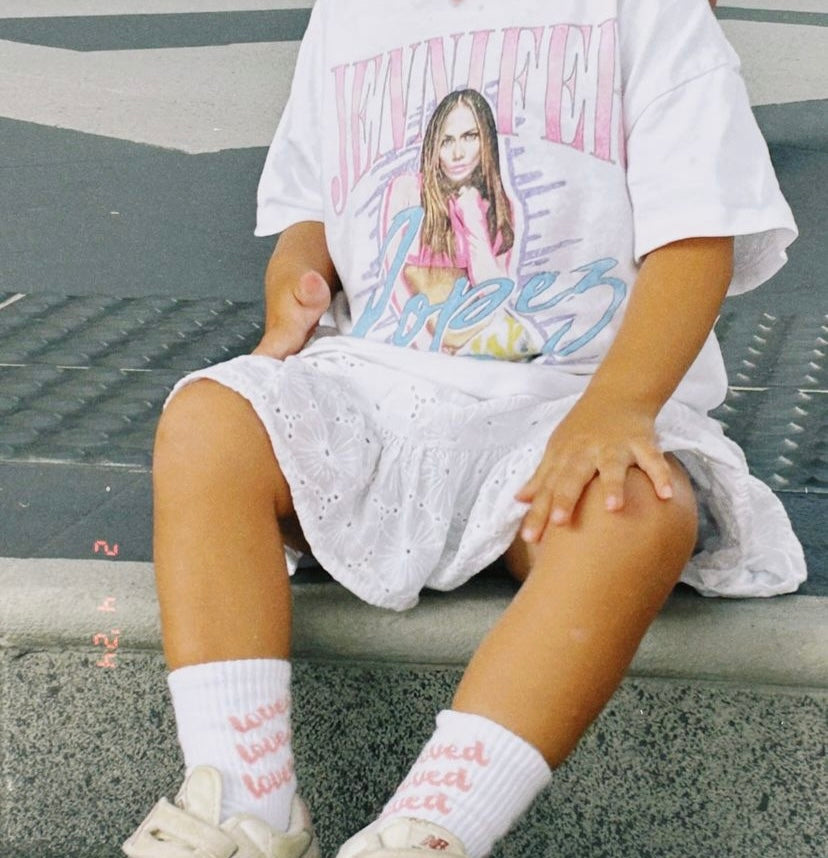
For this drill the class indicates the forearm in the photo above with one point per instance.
(300, 248)
(673, 306)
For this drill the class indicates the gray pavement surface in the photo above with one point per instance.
(173, 30)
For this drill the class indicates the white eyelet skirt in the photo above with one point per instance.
(402, 482)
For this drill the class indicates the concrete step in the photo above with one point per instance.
(714, 745)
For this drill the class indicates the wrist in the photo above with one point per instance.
(624, 397)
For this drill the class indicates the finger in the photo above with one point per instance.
(612, 477)
(557, 498)
(301, 309)
(570, 487)
(312, 297)
(655, 465)
(538, 494)
(535, 521)
(544, 473)
(527, 492)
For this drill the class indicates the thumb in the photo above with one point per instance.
(313, 294)
(301, 309)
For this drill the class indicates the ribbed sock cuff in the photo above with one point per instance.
(235, 716)
(231, 679)
(507, 787)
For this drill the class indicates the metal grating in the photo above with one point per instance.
(126, 333)
(777, 407)
(82, 379)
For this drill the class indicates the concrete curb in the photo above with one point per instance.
(105, 606)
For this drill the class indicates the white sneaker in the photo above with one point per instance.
(402, 838)
(190, 827)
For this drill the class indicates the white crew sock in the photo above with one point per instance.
(474, 778)
(235, 716)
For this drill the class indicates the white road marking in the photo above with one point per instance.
(207, 99)
(781, 63)
(13, 300)
(191, 99)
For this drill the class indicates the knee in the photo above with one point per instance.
(670, 526)
(190, 423)
(647, 529)
(211, 432)
(646, 526)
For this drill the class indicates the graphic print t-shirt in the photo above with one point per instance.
(490, 175)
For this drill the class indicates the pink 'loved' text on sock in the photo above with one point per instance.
(474, 778)
(440, 774)
(236, 717)
(263, 747)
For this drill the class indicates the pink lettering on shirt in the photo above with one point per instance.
(605, 95)
(512, 77)
(477, 61)
(383, 102)
(362, 128)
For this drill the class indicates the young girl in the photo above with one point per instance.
(570, 437)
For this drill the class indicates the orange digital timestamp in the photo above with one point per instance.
(101, 545)
(110, 641)
(110, 644)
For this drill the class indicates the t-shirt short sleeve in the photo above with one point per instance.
(697, 164)
(290, 187)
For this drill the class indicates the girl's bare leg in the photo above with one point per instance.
(549, 664)
(225, 604)
(559, 651)
(219, 562)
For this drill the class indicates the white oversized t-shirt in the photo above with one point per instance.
(490, 175)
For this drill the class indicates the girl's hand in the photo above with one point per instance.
(595, 438)
(472, 210)
(297, 312)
